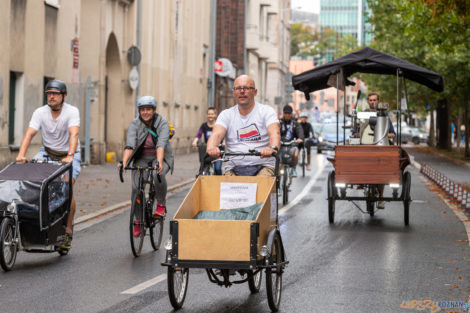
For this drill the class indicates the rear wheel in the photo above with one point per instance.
(331, 197)
(177, 285)
(8, 248)
(304, 160)
(254, 281)
(274, 274)
(406, 197)
(156, 232)
(370, 207)
(137, 226)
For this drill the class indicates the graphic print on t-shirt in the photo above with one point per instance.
(249, 133)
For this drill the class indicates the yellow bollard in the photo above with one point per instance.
(111, 157)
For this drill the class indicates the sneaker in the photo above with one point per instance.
(308, 167)
(381, 205)
(66, 242)
(160, 211)
(294, 172)
(136, 232)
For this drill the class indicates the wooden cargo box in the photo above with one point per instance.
(222, 240)
(368, 164)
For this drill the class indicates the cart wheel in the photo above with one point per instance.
(254, 281)
(177, 285)
(274, 275)
(370, 207)
(8, 246)
(331, 197)
(137, 241)
(156, 233)
(406, 197)
(285, 186)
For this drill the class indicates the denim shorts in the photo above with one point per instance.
(77, 160)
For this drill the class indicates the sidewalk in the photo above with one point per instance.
(98, 186)
(457, 170)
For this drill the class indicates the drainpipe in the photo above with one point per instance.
(213, 20)
(139, 45)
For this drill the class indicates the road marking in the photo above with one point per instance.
(144, 285)
(304, 191)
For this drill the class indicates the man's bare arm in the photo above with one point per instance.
(274, 133)
(218, 133)
(30, 133)
(73, 143)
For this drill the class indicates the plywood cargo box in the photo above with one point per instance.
(369, 164)
(222, 240)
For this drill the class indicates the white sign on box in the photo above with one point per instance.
(237, 195)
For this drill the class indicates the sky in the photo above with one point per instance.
(306, 5)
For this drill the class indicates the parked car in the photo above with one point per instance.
(406, 133)
(327, 137)
(419, 135)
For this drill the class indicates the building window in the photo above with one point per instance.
(52, 3)
(16, 109)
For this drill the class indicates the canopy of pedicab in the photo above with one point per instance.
(366, 60)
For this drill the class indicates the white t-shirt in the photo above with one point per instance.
(55, 132)
(247, 132)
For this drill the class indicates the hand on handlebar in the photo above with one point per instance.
(21, 159)
(213, 152)
(299, 140)
(267, 152)
(158, 167)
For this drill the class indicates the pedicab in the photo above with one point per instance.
(370, 162)
(34, 206)
(227, 225)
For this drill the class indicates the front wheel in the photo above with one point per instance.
(331, 197)
(177, 285)
(8, 248)
(406, 197)
(254, 281)
(137, 226)
(274, 274)
(285, 186)
(304, 160)
(156, 232)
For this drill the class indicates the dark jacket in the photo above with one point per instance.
(297, 129)
(137, 133)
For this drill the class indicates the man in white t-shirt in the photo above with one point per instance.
(59, 124)
(245, 126)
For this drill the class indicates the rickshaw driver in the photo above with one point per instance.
(59, 123)
(291, 130)
(248, 124)
(309, 135)
(147, 140)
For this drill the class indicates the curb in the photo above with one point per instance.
(118, 206)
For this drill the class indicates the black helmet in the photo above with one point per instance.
(287, 109)
(56, 85)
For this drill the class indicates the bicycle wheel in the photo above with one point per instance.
(274, 275)
(254, 281)
(8, 246)
(177, 285)
(285, 186)
(136, 221)
(303, 162)
(331, 197)
(406, 197)
(156, 232)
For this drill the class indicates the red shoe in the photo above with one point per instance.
(136, 231)
(160, 210)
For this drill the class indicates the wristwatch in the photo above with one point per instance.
(274, 147)
(70, 154)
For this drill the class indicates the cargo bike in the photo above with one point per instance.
(234, 249)
(34, 207)
(370, 162)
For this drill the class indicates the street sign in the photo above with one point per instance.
(133, 79)
(134, 56)
(223, 67)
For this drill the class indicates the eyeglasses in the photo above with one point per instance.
(238, 89)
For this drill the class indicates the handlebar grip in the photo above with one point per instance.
(120, 172)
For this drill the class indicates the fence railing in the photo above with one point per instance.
(457, 192)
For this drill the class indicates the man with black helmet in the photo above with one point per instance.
(59, 123)
(148, 140)
(291, 130)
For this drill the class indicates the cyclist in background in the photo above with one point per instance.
(291, 130)
(206, 130)
(309, 135)
(147, 141)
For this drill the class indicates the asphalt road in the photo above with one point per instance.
(359, 264)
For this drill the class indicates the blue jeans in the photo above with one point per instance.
(77, 161)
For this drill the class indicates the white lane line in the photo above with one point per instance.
(144, 285)
(304, 191)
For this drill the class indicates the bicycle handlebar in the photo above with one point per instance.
(138, 168)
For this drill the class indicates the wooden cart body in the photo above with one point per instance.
(221, 243)
(369, 164)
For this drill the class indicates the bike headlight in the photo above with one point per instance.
(282, 171)
(264, 250)
(11, 208)
(168, 244)
(394, 186)
(320, 139)
(420, 135)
